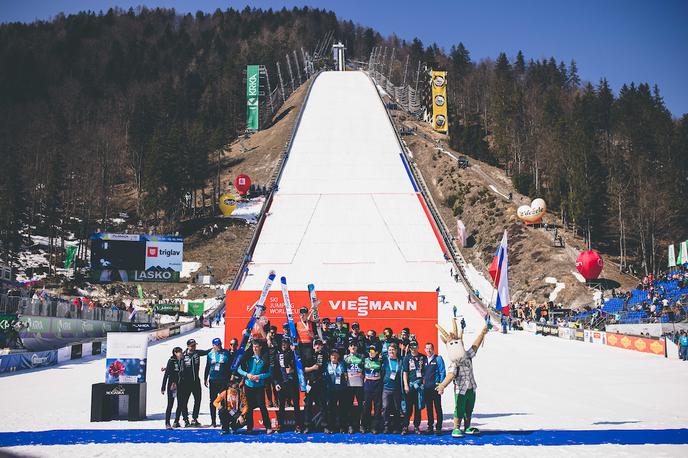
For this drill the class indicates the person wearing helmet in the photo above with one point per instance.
(217, 370)
(170, 382)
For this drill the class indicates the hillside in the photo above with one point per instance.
(476, 196)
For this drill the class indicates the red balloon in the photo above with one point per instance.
(242, 183)
(589, 264)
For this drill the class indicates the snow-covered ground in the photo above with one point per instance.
(346, 218)
(248, 209)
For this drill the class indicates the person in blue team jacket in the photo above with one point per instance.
(255, 369)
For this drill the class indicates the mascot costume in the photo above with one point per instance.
(460, 370)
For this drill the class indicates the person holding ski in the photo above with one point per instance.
(305, 333)
(287, 385)
(335, 389)
(372, 391)
(255, 369)
(217, 371)
(232, 406)
(191, 382)
(314, 368)
(170, 384)
(353, 361)
(414, 366)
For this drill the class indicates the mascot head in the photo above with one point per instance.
(453, 341)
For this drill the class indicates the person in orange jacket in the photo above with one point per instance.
(232, 407)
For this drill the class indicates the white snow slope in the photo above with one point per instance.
(346, 218)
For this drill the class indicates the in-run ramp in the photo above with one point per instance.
(347, 215)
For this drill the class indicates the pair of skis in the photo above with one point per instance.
(252, 320)
(292, 328)
(292, 334)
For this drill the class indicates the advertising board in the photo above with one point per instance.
(372, 310)
(125, 360)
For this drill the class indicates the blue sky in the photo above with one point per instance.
(623, 40)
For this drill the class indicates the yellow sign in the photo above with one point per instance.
(440, 121)
(227, 204)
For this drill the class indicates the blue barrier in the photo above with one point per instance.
(30, 360)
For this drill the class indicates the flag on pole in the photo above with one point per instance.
(682, 254)
(69, 257)
(501, 277)
(672, 256)
(140, 290)
(494, 267)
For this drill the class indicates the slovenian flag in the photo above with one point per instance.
(501, 276)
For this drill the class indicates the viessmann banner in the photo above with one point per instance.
(371, 309)
(439, 101)
(138, 258)
(252, 96)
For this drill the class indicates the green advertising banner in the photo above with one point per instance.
(252, 95)
(6, 322)
(196, 308)
(166, 308)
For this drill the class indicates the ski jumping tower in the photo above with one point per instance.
(338, 55)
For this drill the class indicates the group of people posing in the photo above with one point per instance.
(354, 382)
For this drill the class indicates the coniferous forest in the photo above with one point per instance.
(101, 108)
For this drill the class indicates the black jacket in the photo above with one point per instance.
(191, 364)
(173, 373)
(321, 360)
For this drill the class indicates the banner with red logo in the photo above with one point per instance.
(642, 344)
(371, 310)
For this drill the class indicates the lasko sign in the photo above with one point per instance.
(371, 309)
(139, 258)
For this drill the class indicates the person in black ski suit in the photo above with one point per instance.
(191, 382)
(170, 384)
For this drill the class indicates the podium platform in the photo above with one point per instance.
(118, 401)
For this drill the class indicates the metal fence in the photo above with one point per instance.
(63, 309)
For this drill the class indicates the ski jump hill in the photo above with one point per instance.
(347, 217)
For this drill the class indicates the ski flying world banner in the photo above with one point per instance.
(440, 121)
(252, 96)
(370, 309)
